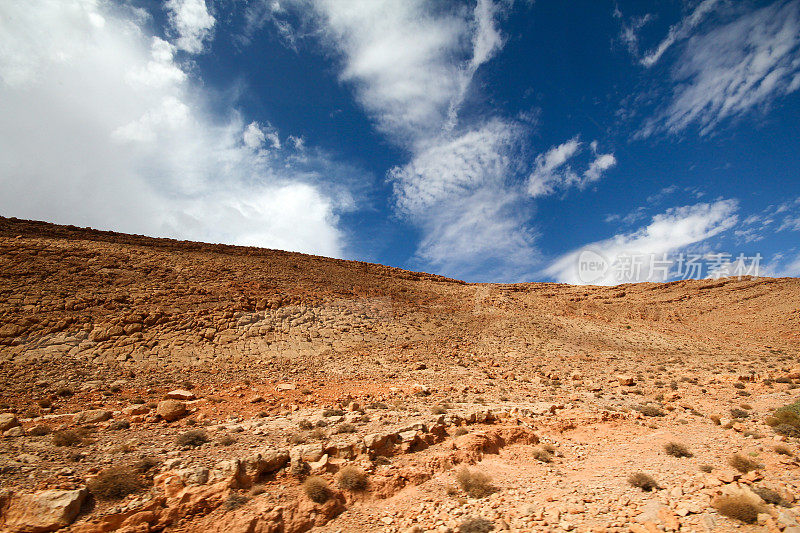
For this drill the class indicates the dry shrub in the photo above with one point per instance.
(782, 450)
(318, 434)
(235, 501)
(476, 525)
(345, 428)
(540, 453)
(643, 481)
(193, 437)
(460, 431)
(475, 484)
(706, 468)
(305, 424)
(352, 478)
(742, 463)
(737, 506)
(115, 483)
(317, 489)
(677, 449)
(650, 410)
(227, 440)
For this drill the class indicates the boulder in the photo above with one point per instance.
(171, 410)
(8, 421)
(44, 511)
(265, 462)
(626, 380)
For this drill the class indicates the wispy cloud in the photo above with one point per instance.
(679, 31)
(133, 143)
(553, 170)
(463, 195)
(667, 233)
(732, 69)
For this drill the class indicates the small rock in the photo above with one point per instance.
(180, 394)
(8, 421)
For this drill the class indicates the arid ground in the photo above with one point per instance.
(156, 385)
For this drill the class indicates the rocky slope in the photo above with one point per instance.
(220, 378)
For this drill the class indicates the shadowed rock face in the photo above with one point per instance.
(220, 377)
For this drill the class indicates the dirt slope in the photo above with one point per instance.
(106, 323)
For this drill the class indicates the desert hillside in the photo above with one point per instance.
(159, 385)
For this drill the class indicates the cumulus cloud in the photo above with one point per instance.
(732, 69)
(101, 127)
(192, 22)
(667, 233)
(553, 170)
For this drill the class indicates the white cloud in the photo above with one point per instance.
(552, 170)
(679, 31)
(733, 69)
(459, 192)
(192, 22)
(667, 233)
(255, 136)
(100, 127)
(410, 63)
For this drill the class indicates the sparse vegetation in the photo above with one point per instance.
(352, 478)
(193, 438)
(706, 468)
(345, 428)
(770, 496)
(737, 507)
(234, 501)
(782, 449)
(650, 410)
(677, 449)
(643, 481)
(227, 440)
(476, 525)
(317, 489)
(115, 483)
(475, 484)
(540, 453)
(742, 463)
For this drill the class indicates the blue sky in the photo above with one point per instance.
(488, 140)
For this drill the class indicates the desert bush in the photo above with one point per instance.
(317, 489)
(67, 437)
(352, 478)
(333, 412)
(737, 507)
(193, 437)
(650, 410)
(305, 424)
(476, 525)
(475, 484)
(642, 481)
(296, 438)
(235, 501)
(119, 425)
(742, 463)
(715, 418)
(115, 483)
(738, 385)
(739, 413)
(317, 434)
(39, 431)
(146, 464)
(540, 453)
(460, 431)
(677, 449)
(377, 405)
(782, 450)
(64, 392)
(345, 428)
(706, 468)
